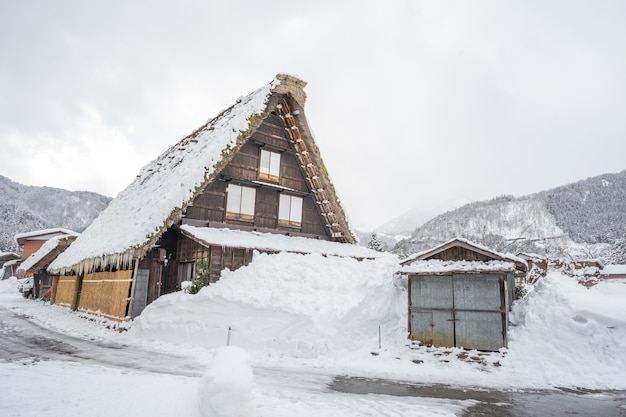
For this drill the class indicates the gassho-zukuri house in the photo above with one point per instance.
(251, 178)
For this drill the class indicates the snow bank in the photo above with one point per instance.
(285, 304)
(226, 389)
(8, 286)
(564, 334)
(327, 312)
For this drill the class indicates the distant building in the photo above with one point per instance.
(37, 263)
(9, 261)
(30, 242)
(613, 272)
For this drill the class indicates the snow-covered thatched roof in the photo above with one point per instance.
(136, 218)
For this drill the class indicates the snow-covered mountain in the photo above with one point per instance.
(405, 223)
(586, 217)
(26, 208)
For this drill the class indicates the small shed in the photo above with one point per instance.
(460, 294)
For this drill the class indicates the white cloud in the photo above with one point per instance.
(415, 102)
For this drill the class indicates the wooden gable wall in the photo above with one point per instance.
(459, 253)
(243, 169)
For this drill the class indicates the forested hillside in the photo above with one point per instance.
(585, 218)
(592, 210)
(25, 208)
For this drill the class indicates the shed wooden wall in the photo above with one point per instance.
(459, 253)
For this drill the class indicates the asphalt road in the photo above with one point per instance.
(489, 403)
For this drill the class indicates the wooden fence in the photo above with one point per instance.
(106, 293)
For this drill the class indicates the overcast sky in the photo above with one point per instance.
(414, 104)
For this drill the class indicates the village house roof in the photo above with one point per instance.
(43, 234)
(425, 262)
(8, 256)
(41, 258)
(613, 271)
(156, 199)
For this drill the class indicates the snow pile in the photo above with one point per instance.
(327, 312)
(564, 334)
(285, 304)
(226, 389)
(8, 286)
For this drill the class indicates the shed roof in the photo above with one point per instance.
(464, 243)
(437, 266)
(138, 216)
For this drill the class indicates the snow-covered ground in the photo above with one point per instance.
(297, 320)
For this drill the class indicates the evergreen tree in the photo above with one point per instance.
(376, 244)
(617, 252)
(201, 278)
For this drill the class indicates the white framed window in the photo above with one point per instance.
(269, 167)
(290, 210)
(240, 202)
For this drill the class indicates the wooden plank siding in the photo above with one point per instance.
(216, 257)
(459, 253)
(243, 169)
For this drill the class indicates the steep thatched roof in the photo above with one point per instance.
(137, 217)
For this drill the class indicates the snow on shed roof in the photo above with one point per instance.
(437, 266)
(138, 216)
(274, 242)
(420, 256)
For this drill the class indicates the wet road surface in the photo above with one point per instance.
(22, 339)
(558, 403)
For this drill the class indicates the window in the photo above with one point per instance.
(185, 272)
(290, 211)
(240, 202)
(269, 168)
